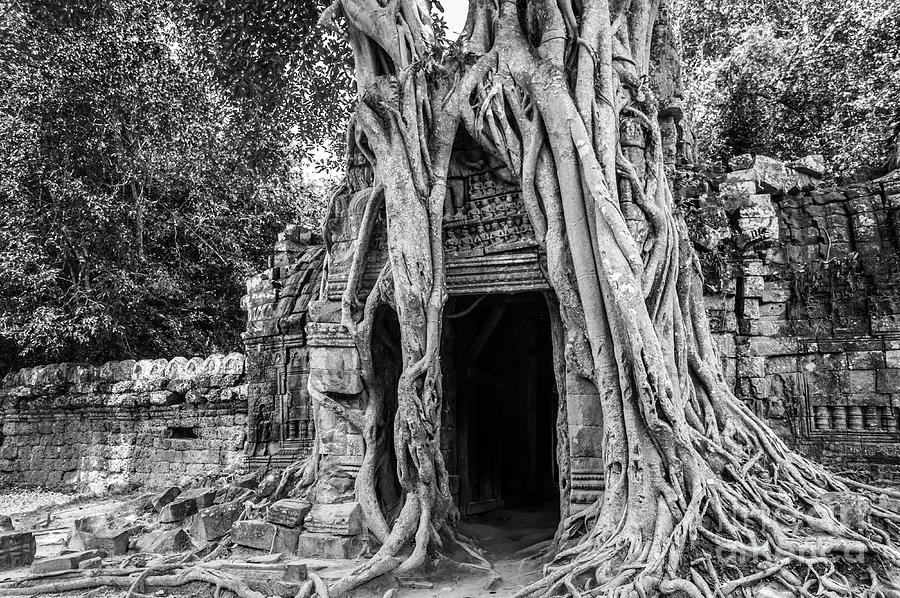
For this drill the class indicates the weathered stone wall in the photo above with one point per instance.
(150, 422)
(807, 308)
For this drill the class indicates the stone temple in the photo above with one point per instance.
(802, 286)
(803, 289)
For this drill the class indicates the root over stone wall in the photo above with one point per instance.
(148, 422)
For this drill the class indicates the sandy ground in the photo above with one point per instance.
(501, 536)
(18, 500)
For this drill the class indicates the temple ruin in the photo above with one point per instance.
(802, 287)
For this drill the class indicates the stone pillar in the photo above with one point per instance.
(335, 370)
(334, 527)
(585, 431)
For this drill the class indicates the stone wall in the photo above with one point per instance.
(805, 302)
(150, 422)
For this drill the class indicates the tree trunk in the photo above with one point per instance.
(546, 87)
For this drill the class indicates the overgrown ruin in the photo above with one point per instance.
(527, 293)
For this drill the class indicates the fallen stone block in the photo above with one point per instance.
(344, 519)
(288, 512)
(91, 523)
(214, 522)
(327, 546)
(263, 535)
(16, 549)
(64, 562)
(112, 541)
(249, 480)
(165, 497)
(204, 497)
(163, 541)
(80, 541)
(93, 563)
(812, 165)
(179, 510)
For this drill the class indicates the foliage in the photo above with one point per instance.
(794, 78)
(138, 189)
(272, 53)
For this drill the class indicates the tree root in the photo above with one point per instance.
(202, 574)
(689, 469)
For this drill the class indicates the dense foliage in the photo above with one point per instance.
(140, 182)
(789, 78)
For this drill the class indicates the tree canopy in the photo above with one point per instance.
(792, 78)
(151, 152)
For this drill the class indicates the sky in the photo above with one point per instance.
(455, 15)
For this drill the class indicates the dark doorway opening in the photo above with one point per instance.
(499, 371)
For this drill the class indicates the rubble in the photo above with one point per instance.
(164, 541)
(288, 512)
(178, 510)
(165, 497)
(17, 549)
(64, 562)
(214, 522)
(263, 535)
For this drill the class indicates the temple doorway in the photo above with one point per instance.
(502, 401)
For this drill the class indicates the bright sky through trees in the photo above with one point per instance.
(455, 14)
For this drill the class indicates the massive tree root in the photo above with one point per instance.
(701, 496)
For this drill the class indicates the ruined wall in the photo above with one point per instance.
(97, 427)
(807, 308)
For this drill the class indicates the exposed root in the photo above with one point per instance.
(693, 477)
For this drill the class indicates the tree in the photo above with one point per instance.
(545, 88)
(793, 78)
(139, 189)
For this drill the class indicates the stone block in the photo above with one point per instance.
(584, 409)
(178, 510)
(892, 358)
(343, 519)
(327, 546)
(888, 381)
(165, 497)
(772, 346)
(94, 563)
(204, 497)
(6, 524)
(214, 522)
(288, 512)
(583, 440)
(813, 165)
(63, 562)
(334, 361)
(112, 541)
(736, 193)
(16, 549)
(772, 175)
(858, 381)
(164, 541)
(263, 535)
(250, 481)
(865, 360)
(165, 397)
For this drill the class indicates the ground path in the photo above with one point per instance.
(502, 536)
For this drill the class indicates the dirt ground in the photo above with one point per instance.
(502, 536)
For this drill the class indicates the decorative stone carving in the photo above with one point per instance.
(175, 368)
(339, 520)
(334, 364)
